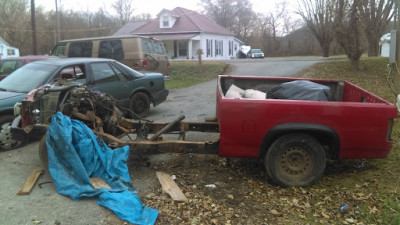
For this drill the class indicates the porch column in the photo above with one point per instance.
(190, 50)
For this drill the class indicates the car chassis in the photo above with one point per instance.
(101, 113)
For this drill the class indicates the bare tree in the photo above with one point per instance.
(124, 10)
(142, 17)
(276, 20)
(375, 16)
(15, 26)
(348, 31)
(235, 15)
(318, 15)
(244, 24)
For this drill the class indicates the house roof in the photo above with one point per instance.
(187, 21)
(179, 36)
(129, 27)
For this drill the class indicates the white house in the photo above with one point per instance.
(184, 32)
(384, 45)
(6, 50)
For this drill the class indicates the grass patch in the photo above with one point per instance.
(369, 187)
(185, 74)
(372, 76)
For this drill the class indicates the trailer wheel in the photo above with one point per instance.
(44, 158)
(295, 160)
(140, 104)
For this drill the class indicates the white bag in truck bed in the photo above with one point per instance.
(234, 92)
(254, 94)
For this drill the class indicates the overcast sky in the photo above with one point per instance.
(143, 6)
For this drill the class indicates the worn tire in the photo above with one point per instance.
(44, 158)
(140, 104)
(7, 142)
(295, 160)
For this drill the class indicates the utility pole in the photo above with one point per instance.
(33, 21)
(58, 23)
(397, 27)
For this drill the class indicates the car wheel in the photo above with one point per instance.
(44, 158)
(295, 160)
(140, 104)
(7, 142)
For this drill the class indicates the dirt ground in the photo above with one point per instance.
(229, 191)
(219, 190)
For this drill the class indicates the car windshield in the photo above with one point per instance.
(8, 66)
(256, 51)
(27, 78)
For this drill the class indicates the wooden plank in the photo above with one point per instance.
(169, 186)
(30, 182)
(98, 183)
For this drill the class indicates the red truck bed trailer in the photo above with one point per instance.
(294, 135)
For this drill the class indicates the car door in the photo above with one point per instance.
(109, 79)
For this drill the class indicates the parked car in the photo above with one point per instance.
(133, 90)
(9, 65)
(138, 52)
(255, 53)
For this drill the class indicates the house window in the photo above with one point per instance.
(209, 48)
(230, 47)
(218, 48)
(165, 21)
(10, 51)
(183, 48)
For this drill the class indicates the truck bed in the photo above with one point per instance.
(354, 124)
(343, 91)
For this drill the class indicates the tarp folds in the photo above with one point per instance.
(76, 153)
(301, 90)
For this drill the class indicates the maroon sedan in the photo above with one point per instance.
(8, 65)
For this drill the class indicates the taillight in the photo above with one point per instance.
(144, 63)
(169, 65)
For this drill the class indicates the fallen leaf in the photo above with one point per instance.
(373, 210)
(151, 195)
(295, 202)
(36, 221)
(230, 196)
(325, 215)
(274, 212)
(350, 220)
(316, 215)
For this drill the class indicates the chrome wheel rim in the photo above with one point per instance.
(7, 142)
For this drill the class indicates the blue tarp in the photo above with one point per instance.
(76, 153)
